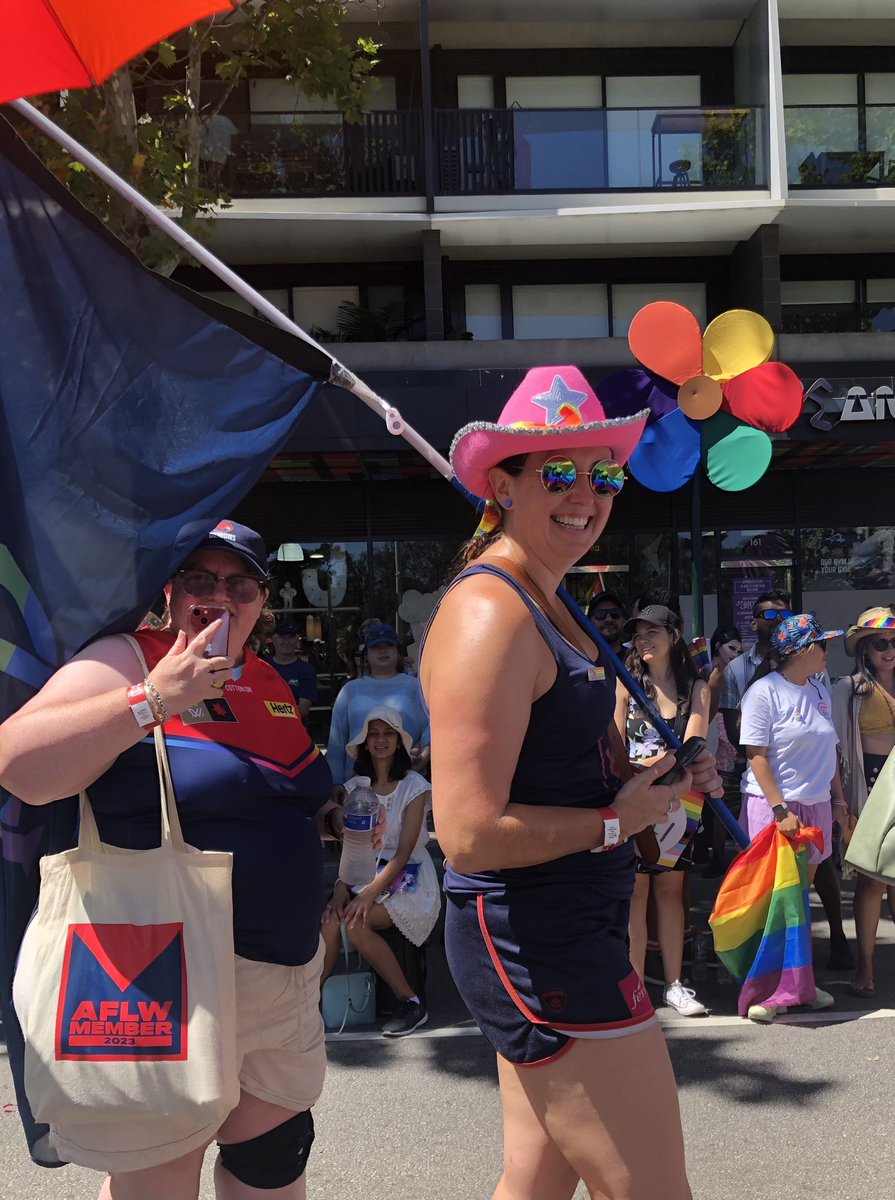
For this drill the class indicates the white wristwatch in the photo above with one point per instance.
(612, 831)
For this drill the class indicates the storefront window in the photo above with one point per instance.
(752, 561)
(709, 580)
(323, 593)
(844, 571)
(603, 569)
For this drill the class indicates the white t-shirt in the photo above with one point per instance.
(796, 724)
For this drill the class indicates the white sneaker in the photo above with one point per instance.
(683, 1000)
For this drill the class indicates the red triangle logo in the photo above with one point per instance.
(125, 951)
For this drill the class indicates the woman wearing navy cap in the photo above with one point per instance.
(533, 818)
(247, 780)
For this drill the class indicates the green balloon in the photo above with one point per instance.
(734, 455)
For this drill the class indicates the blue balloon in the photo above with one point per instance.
(668, 453)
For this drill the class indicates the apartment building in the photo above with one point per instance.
(528, 177)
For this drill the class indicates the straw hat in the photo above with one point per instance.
(392, 717)
(870, 620)
(553, 408)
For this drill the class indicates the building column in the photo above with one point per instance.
(755, 275)
(433, 289)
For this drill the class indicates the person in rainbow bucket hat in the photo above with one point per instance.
(536, 824)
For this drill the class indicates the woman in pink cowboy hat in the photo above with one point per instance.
(535, 821)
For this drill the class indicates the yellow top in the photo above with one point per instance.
(877, 712)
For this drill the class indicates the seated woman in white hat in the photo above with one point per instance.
(404, 893)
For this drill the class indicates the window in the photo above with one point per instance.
(278, 297)
(475, 91)
(630, 131)
(629, 298)
(319, 306)
(818, 139)
(818, 306)
(879, 309)
(555, 91)
(572, 310)
(483, 318)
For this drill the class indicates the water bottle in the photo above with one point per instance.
(357, 865)
(700, 963)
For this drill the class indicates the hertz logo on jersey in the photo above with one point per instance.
(278, 708)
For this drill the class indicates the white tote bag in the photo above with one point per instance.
(125, 990)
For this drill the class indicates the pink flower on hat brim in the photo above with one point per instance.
(553, 409)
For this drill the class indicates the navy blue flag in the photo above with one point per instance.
(134, 415)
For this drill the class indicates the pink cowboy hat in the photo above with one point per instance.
(553, 408)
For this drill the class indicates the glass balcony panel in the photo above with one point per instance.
(562, 149)
(840, 145)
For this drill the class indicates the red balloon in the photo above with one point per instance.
(768, 397)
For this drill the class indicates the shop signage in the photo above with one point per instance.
(831, 402)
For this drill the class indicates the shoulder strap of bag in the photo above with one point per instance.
(172, 834)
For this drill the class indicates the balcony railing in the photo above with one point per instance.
(867, 317)
(487, 151)
(497, 151)
(840, 145)
(320, 154)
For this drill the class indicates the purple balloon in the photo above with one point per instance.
(629, 391)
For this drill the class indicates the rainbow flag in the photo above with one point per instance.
(679, 830)
(701, 654)
(761, 920)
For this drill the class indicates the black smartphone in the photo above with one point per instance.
(691, 750)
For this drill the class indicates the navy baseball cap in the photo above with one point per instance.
(241, 540)
(286, 629)
(377, 634)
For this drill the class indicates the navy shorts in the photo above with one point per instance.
(543, 964)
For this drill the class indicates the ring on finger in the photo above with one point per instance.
(218, 687)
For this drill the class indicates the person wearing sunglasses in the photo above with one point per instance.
(248, 780)
(790, 742)
(536, 825)
(768, 611)
(864, 716)
(607, 612)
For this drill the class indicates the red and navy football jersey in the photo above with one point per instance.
(248, 779)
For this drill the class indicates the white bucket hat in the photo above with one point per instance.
(392, 717)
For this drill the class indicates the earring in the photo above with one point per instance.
(508, 504)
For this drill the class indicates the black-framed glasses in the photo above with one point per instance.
(605, 614)
(881, 644)
(201, 585)
(558, 475)
(774, 614)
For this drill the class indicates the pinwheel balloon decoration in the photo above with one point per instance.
(713, 398)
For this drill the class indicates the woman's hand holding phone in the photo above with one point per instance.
(186, 676)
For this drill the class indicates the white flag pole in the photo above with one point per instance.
(340, 375)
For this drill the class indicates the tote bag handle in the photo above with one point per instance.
(172, 834)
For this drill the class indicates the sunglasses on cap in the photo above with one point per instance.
(881, 643)
(605, 614)
(774, 614)
(201, 585)
(558, 475)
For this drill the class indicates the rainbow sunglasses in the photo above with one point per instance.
(558, 475)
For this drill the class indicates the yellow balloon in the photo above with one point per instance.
(735, 342)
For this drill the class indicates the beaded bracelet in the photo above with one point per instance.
(156, 701)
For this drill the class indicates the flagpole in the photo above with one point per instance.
(340, 375)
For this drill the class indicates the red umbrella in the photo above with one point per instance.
(48, 45)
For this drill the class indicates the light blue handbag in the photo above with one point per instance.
(349, 1000)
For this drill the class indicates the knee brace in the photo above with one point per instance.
(273, 1159)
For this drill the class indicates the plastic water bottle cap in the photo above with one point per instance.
(363, 780)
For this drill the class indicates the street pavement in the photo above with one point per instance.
(800, 1110)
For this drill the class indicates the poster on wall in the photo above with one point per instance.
(745, 593)
(854, 559)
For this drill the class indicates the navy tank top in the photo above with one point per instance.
(565, 759)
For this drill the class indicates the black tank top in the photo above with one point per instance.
(565, 759)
